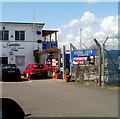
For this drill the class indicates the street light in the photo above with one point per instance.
(80, 39)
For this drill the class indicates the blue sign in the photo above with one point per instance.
(49, 44)
(87, 52)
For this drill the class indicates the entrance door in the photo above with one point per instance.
(3, 60)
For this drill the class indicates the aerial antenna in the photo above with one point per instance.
(33, 25)
(34, 13)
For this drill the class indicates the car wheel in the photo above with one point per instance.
(46, 76)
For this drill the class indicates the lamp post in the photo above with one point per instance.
(80, 39)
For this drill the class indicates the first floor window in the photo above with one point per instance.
(4, 35)
(19, 35)
(20, 60)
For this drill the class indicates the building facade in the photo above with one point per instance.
(18, 42)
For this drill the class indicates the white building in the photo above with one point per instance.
(18, 42)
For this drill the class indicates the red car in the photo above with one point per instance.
(35, 70)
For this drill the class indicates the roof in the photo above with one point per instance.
(48, 32)
(51, 50)
(22, 23)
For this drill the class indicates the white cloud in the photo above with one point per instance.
(87, 18)
(94, 27)
(110, 25)
(108, 28)
(72, 23)
(90, 19)
(69, 36)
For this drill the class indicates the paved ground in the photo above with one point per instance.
(56, 98)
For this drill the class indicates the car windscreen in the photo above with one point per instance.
(40, 66)
(10, 66)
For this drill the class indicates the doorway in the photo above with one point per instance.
(3, 60)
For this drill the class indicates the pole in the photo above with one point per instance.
(80, 39)
(102, 72)
(70, 59)
(64, 61)
(99, 60)
(103, 62)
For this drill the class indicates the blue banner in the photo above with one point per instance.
(87, 52)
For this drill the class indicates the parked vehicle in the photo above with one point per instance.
(35, 70)
(10, 72)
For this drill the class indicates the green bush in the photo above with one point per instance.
(67, 72)
(57, 70)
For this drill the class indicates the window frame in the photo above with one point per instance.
(21, 36)
(4, 35)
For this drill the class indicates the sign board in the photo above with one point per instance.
(14, 46)
(80, 58)
(54, 62)
(87, 52)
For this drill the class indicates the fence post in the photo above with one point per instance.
(100, 57)
(64, 61)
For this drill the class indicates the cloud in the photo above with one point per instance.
(90, 19)
(110, 25)
(92, 28)
(108, 28)
(72, 23)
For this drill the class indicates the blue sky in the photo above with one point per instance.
(54, 14)
(93, 17)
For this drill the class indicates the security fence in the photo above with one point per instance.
(98, 70)
(112, 65)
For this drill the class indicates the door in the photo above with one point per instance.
(3, 60)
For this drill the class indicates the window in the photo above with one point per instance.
(40, 66)
(20, 60)
(19, 35)
(28, 67)
(9, 66)
(4, 35)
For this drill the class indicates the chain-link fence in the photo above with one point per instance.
(106, 73)
(112, 64)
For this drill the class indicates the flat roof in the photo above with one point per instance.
(48, 32)
(29, 23)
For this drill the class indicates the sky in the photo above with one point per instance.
(97, 20)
